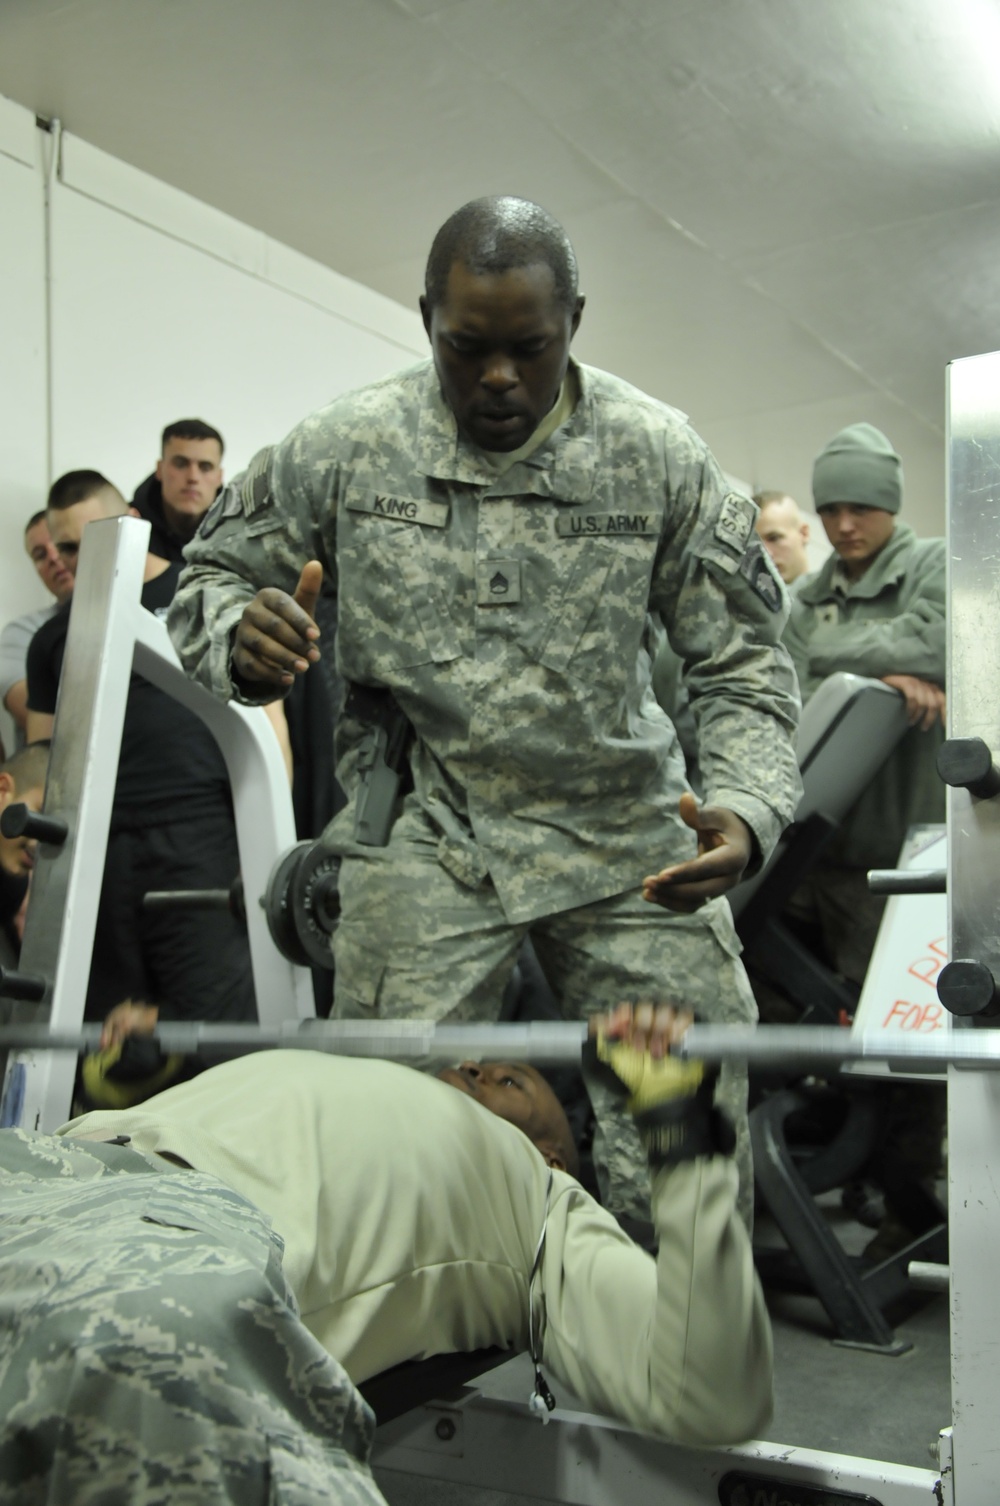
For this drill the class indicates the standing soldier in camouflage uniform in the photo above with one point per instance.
(499, 521)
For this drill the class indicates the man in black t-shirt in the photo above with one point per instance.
(172, 823)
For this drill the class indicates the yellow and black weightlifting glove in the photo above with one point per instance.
(669, 1097)
(128, 1073)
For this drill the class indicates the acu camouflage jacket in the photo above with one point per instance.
(506, 613)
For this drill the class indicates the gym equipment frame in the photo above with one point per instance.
(51, 983)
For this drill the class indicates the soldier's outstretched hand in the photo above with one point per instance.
(725, 846)
(277, 634)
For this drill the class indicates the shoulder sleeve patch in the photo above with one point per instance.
(256, 481)
(757, 570)
(734, 524)
(226, 505)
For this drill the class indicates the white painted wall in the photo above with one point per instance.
(163, 308)
(158, 307)
(22, 353)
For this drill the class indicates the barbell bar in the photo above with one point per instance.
(543, 1042)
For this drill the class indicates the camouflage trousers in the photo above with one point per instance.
(150, 1350)
(415, 942)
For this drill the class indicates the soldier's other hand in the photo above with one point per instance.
(655, 1028)
(925, 701)
(725, 846)
(128, 1018)
(276, 637)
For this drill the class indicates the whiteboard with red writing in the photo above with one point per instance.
(900, 993)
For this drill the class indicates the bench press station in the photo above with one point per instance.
(473, 1439)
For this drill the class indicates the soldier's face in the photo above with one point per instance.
(67, 524)
(190, 474)
(784, 536)
(501, 345)
(45, 558)
(857, 533)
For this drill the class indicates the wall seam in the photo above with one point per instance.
(225, 261)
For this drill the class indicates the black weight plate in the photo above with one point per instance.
(314, 918)
(279, 905)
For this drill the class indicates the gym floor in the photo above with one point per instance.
(845, 1401)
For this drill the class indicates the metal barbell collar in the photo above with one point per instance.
(545, 1043)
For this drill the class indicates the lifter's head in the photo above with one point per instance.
(500, 308)
(519, 1094)
(22, 780)
(76, 499)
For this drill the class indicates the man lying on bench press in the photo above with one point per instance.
(152, 1337)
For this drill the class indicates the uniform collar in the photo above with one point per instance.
(562, 468)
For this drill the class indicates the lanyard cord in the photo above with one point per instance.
(541, 1401)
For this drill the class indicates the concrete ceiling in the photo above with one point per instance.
(787, 212)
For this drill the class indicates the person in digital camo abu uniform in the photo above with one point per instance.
(500, 520)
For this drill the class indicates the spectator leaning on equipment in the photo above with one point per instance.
(414, 1219)
(172, 824)
(876, 608)
(500, 520)
(784, 533)
(17, 635)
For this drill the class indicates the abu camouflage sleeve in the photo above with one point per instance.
(150, 1347)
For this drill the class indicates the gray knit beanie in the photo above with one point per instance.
(859, 465)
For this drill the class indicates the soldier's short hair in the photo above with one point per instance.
(28, 767)
(190, 428)
(764, 499)
(34, 520)
(80, 486)
(493, 235)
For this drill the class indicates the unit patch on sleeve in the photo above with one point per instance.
(735, 522)
(226, 505)
(400, 509)
(757, 570)
(573, 525)
(256, 480)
